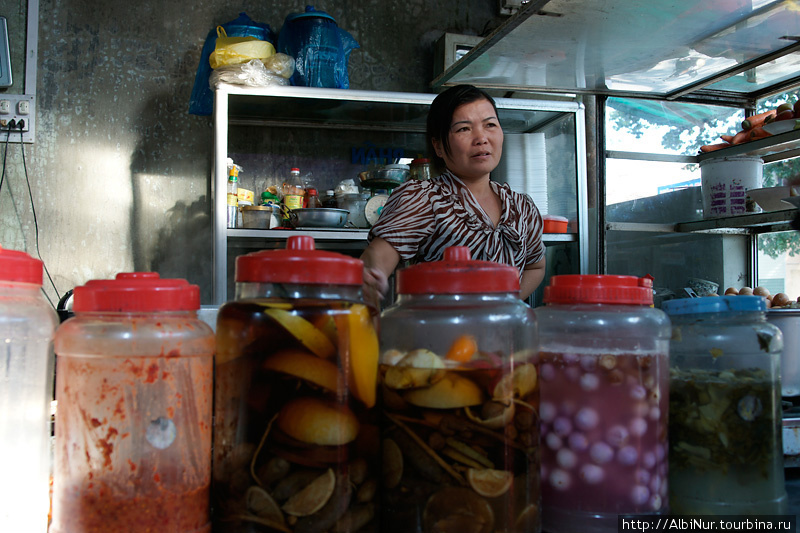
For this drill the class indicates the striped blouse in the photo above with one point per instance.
(422, 218)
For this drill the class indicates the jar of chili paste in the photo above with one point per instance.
(295, 430)
(725, 447)
(460, 401)
(134, 386)
(604, 367)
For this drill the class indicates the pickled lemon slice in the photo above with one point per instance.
(261, 504)
(489, 482)
(327, 325)
(520, 383)
(317, 421)
(304, 331)
(313, 497)
(305, 366)
(362, 352)
(451, 392)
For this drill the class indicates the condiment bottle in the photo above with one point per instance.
(312, 198)
(460, 400)
(27, 325)
(295, 394)
(604, 367)
(293, 190)
(233, 196)
(133, 428)
(420, 169)
(725, 447)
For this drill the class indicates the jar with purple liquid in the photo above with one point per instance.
(604, 379)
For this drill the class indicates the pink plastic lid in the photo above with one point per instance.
(20, 267)
(299, 263)
(136, 291)
(599, 289)
(457, 273)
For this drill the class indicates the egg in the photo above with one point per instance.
(745, 291)
(761, 291)
(780, 299)
(731, 291)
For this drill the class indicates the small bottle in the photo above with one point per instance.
(293, 190)
(233, 196)
(330, 199)
(312, 198)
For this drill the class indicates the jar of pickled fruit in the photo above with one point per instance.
(725, 447)
(296, 439)
(604, 367)
(134, 387)
(460, 401)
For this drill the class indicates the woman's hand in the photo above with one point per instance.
(380, 260)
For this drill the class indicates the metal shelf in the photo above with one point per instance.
(751, 224)
(339, 109)
(719, 52)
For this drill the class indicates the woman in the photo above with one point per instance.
(460, 207)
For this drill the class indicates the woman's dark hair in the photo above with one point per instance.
(440, 116)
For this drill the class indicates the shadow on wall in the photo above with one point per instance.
(171, 226)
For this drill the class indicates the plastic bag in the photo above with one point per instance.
(254, 73)
(237, 50)
(202, 99)
(321, 50)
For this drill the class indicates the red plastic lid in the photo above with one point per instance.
(420, 161)
(20, 267)
(599, 289)
(300, 262)
(136, 291)
(457, 273)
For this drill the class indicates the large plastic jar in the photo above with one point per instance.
(725, 447)
(27, 325)
(460, 399)
(134, 386)
(296, 439)
(604, 366)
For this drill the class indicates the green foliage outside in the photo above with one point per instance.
(691, 126)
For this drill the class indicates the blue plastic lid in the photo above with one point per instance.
(714, 304)
(310, 12)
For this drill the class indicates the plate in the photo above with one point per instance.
(771, 198)
(794, 201)
(782, 126)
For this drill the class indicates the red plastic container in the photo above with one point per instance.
(555, 224)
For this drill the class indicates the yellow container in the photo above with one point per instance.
(246, 195)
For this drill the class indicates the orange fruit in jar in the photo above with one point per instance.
(489, 482)
(317, 421)
(451, 392)
(360, 348)
(305, 366)
(462, 349)
(304, 331)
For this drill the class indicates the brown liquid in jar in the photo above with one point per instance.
(454, 458)
(296, 435)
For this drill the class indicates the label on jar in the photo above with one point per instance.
(293, 201)
(233, 199)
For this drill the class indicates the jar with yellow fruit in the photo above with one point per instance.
(296, 438)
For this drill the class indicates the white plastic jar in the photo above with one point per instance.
(27, 325)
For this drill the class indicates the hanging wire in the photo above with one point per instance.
(5, 154)
(35, 222)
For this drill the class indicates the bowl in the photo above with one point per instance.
(554, 224)
(782, 126)
(771, 198)
(318, 217)
(261, 216)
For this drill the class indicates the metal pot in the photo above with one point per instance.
(318, 217)
(788, 321)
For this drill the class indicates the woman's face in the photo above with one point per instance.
(476, 141)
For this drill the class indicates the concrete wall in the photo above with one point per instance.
(120, 171)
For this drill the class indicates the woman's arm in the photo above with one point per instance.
(532, 277)
(380, 259)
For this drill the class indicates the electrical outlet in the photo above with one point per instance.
(5, 107)
(23, 107)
